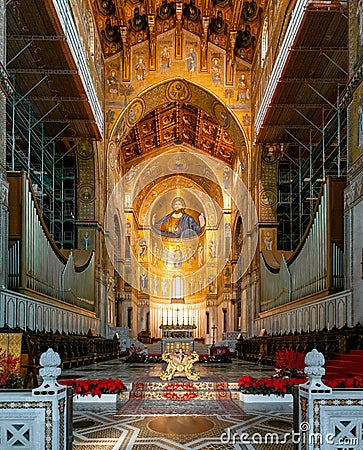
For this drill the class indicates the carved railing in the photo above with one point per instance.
(24, 312)
(327, 312)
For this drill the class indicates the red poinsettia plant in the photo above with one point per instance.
(95, 387)
(268, 385)
(348, 383)
(282, 386)
(289, 363)
(9, 371)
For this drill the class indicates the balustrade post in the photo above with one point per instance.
(307, 427)
(57, 403)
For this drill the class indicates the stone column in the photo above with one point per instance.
(102, 300)
(4, 186)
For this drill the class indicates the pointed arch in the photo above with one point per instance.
(183, 91)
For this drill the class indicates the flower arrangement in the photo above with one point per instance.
(289, 363)
(282, 386)
(95, 387)
(10, 371)
(348, 383)
(289, 367)
(268, 385)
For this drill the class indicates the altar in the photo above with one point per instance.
(176, 336)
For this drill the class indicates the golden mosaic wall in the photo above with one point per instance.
(236, 96)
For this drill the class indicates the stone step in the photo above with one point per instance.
(356, 352)
(183, 385)
(185, 395)
(184, 390)
(198, 347)
(345, 365)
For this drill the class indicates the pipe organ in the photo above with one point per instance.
(316, 266)
(36, 266)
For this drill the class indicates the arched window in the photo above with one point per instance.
(178, 287)
(264, 40)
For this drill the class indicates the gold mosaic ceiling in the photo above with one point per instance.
(180, 124)
(225, 23)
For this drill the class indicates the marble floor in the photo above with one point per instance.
(130, 372)
(191, 424)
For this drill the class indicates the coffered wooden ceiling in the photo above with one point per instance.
(229, 24)
(178, 123)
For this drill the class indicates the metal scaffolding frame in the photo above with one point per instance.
(300, 177)
(48, 163)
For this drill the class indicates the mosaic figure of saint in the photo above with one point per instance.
(178, 223)
(140, 69)
(216, 72)
(191, 60)
(268, 240)
(86, 241)
(143, 248)
(143, 282)
(165, 60)
(212, 250)
(217, 24)
(178, 257)
(200, 255)
(156, 285)
(112, 82)
(243, 92)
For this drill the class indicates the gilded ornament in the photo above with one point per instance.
(180, 362)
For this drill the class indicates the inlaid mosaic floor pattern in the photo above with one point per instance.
(207, 414)
(100, 428)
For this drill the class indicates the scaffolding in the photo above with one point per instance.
(302, 170)
(49, 165)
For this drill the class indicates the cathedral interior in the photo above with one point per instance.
(189, 165)
(181, 175)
